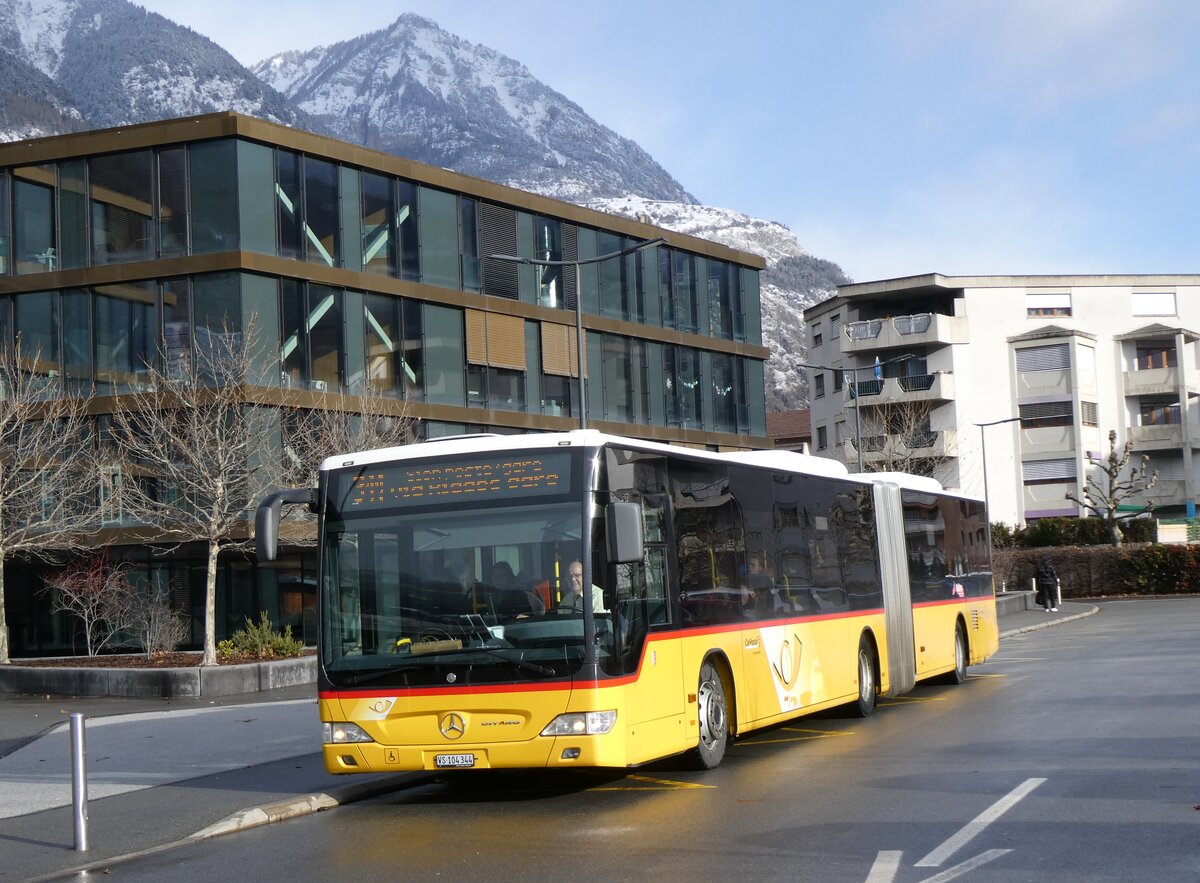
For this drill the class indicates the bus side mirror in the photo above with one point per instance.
(266, 520)
(623, 522)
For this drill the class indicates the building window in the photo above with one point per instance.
(33, 219)
(1158, 413)
(310, 345)
(393, 345)
(837, 381)
(1043, 304)
(818, 338)
(377, 226)
(681, 378)
(1045, 414)
(1055, 357)
(1155, 355)
(819, 385)
(1088, 414)
(1035, 472)
(1153, 303)
(822, 438)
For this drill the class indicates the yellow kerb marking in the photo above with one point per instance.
(652, 784)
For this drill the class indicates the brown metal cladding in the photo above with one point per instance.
(227, 124)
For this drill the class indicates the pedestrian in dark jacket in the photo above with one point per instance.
(1047, 585)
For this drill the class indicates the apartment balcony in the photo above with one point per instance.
(1048, 440)
(1046, 500)
(909, 332)
(883, 448)
(1031, 384)
(1166, 492)
(937, 387)
(1159, 382)
(1157, 436)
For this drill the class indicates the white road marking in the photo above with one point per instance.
(969, 865)
(886, 866)
(977, 825)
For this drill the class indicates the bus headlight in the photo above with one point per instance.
(342, 733)
(591, 723)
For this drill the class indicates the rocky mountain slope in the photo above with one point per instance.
(110, 63)
(419, 91)
(411, 89)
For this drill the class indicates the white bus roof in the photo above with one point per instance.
(784, 461)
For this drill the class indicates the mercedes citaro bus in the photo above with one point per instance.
(581, 600)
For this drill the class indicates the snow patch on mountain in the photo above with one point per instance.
(42, 27)
(792, 281)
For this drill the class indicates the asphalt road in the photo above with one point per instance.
(1074, 755)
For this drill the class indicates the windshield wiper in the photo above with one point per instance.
(376, 674)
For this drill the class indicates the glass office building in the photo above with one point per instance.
(122, 246)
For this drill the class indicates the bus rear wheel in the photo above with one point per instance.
(959, 674)
(865, 704)
(713, 714)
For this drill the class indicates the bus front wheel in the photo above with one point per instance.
(865, 704)
(713, 714)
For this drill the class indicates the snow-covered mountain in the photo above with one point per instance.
(410, 89)
(793, 280)
(419, 91)
(112, 63)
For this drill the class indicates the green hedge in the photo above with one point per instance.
(1091, 571)
(1090, 531)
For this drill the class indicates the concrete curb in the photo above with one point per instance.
(159, 683)
(1091, 611)
(253, 817)
(256, 816)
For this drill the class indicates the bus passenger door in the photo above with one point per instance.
(655, 700)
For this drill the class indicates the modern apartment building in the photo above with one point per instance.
(122, 246)
(1010, 385)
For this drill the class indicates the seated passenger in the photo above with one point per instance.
(508, 596)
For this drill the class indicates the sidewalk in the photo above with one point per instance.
(1022, 621)
(165, 770)
(159, 771)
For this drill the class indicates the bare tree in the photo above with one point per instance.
(96, 593)
(342, 424)
(898, 438)
(159, 628)
(194, 456)
(47, 491)
(1112, 482)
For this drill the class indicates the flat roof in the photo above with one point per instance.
(228, 124)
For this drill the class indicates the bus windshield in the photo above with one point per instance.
(457, 596)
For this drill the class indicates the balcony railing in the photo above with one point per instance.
(915, 330)
(867, 388)
(915, 324)
(917, 382)
(864, 330)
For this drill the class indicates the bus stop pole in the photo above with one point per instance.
(79, 809)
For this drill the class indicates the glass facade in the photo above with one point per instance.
(354, 311)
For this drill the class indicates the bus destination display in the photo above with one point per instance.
(496, 478)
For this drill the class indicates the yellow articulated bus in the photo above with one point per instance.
(581, 600)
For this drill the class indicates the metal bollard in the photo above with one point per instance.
(79, 798)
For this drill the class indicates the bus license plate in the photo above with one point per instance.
(454, 760)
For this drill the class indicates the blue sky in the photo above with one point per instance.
(952, 136)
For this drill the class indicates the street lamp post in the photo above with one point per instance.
(854, 372)
(983, 455)
(579, 342)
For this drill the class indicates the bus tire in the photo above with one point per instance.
(713, 715)
(961, 656)
(867, 687)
